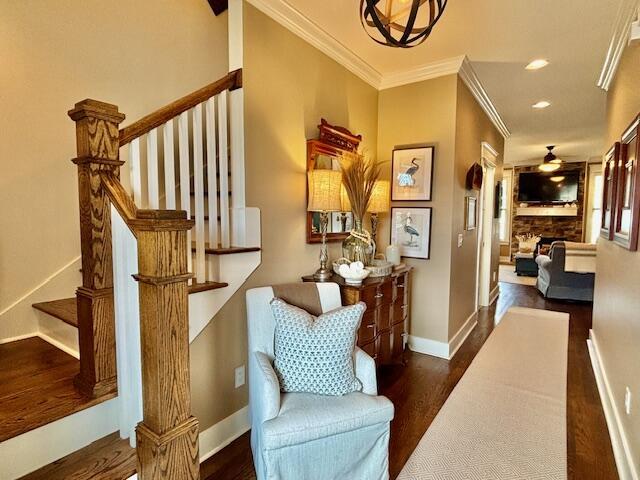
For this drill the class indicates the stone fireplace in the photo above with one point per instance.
(569, 228)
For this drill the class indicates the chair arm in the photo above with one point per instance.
(365, 368)
(266, 401)
(543, 261)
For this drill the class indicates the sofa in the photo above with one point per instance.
(554, 282)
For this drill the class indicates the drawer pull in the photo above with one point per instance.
(379, 295)
(400, 286)
(371, 326)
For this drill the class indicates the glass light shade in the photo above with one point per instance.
(324, 190)
(548, 167)
(379, 201)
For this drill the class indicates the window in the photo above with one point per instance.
(505, 206)
(594, 204)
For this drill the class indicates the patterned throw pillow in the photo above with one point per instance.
(315, 354)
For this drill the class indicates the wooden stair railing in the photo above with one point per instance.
(167, 436)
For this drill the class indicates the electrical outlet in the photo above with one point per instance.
(627, 401)
(239, 376)
(460, 240)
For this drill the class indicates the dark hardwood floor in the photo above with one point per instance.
(38, 387)
(421, 387)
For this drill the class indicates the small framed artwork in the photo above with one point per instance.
(412, 174)
(627, 207)
(411, 231)
(470, 212)
(609, 190)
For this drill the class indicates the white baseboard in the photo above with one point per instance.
(620, 444)
(19, 337)
(215, 438)
(443, 349)
(461, 335)
(429, 347)
(60, 345)
(493, 296)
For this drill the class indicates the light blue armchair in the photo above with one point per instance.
(301, 436)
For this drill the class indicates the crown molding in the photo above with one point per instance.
(294, 21)
(427, 71)
(290, 18)
(471, 80)
(620, 38)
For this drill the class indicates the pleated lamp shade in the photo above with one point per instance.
(379, 202)
(324, 191)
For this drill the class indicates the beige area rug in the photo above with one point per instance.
(506, 418)
(507, 274)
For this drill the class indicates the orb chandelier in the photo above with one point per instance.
(400, 23)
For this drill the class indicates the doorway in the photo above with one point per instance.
(486, 231)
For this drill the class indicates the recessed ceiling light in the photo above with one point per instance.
(537, 64)
(541, 104)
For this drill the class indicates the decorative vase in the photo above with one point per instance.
(393, 254)
(358, 246)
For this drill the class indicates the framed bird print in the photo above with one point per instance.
(411, 231)
(412, 174)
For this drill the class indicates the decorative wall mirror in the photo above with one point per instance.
(324, 153)
(628, 194)
(610, 176)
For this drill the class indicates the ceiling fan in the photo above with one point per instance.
(551, 162)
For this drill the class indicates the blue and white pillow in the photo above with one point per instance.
(315, 354)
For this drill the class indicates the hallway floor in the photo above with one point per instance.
(420, 388)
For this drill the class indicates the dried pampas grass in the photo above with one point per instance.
(359, 176)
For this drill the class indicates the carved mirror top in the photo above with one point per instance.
(338, 137)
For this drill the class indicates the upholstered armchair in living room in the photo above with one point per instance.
(303, 436)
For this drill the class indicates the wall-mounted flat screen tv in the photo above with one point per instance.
(556, 187)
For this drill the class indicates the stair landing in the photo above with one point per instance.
(109, 458)
(36, 386)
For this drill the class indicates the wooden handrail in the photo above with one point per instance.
(119, 197)
(133, 216)
(231, 81)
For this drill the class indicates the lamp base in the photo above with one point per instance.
(322, 275)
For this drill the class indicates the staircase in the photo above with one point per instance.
(159, 198)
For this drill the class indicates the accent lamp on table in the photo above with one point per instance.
(324, 197)
(379, 203)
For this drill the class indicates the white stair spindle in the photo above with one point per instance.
(212, 167)
(185, 194)
(152, 170)
(169, 167)
(136, 172)
(198, 181)
(223, 159)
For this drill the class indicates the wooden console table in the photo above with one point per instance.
(385, 322)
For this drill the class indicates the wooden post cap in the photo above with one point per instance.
(96, 109)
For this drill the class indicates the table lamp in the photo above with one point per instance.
(379, 203)
(324, 197)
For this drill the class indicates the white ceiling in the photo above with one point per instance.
(500, 37)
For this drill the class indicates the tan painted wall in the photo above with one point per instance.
(472, 128)
(289, 85)
(422, 113)
(54, 54)
(616, 309)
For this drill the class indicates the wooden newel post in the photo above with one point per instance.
(98, 151)
(168, 434)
